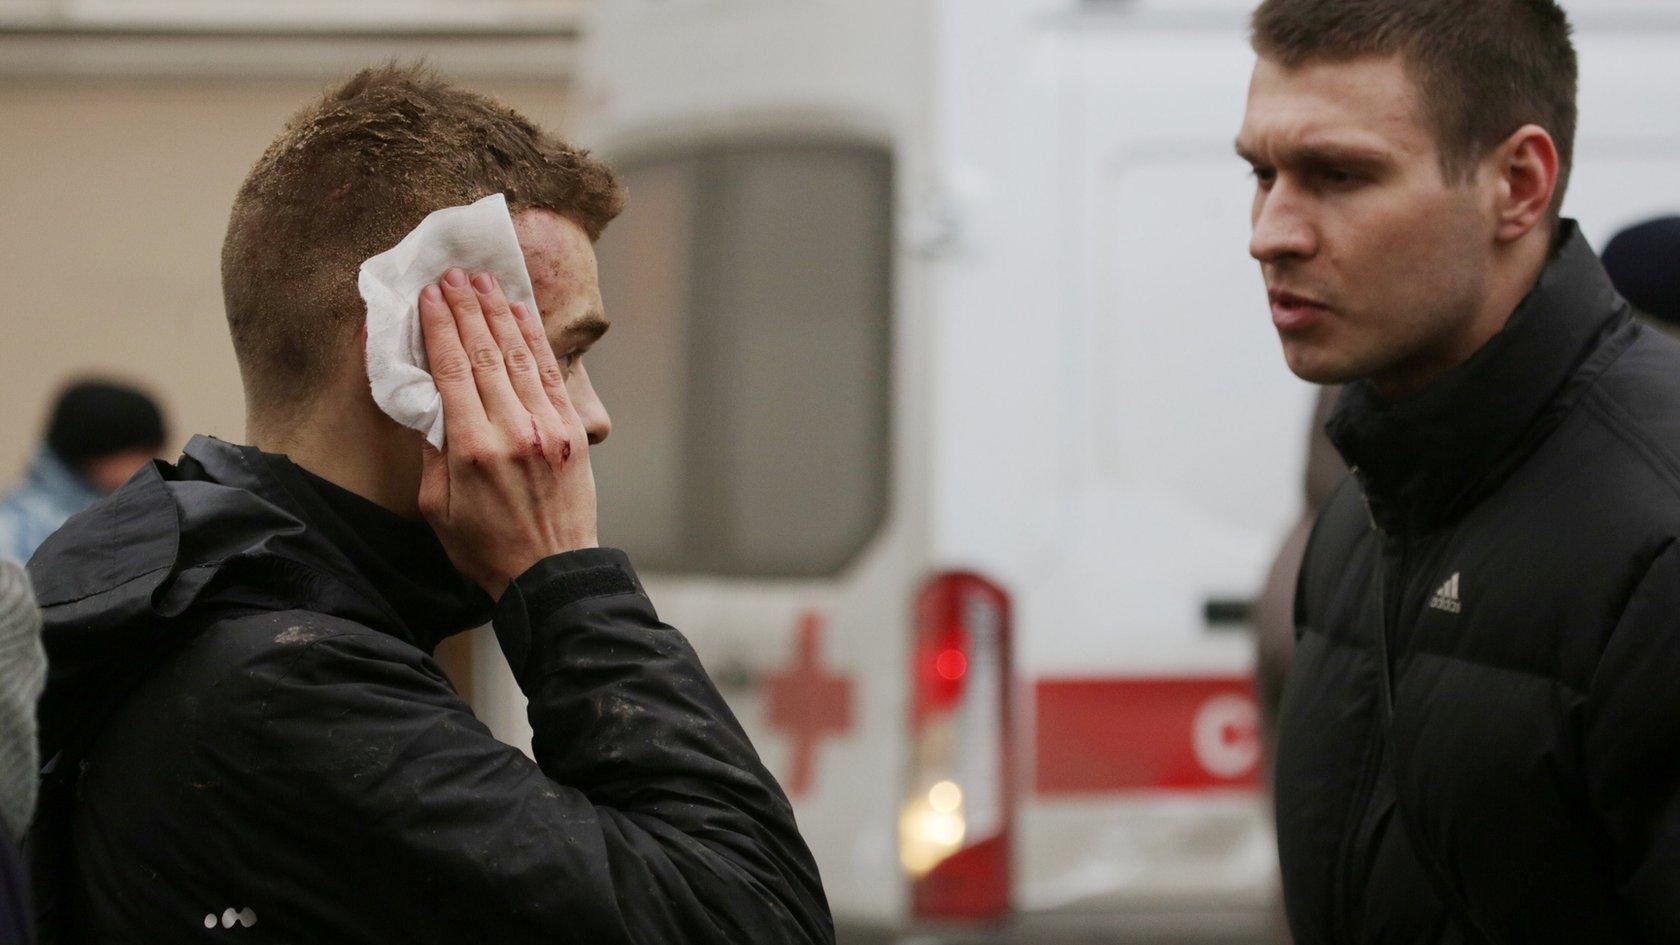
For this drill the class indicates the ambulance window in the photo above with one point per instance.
(748, 369)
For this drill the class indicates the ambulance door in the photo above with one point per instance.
(1145, 790)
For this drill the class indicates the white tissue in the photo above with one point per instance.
(476, 237)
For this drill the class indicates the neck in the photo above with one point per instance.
(1512, 277)
(349, 442)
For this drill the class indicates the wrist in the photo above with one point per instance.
(495, 583)
(526, 613)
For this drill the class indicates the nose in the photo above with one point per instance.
(1283, 228)
(588, 405)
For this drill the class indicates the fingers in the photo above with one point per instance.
(463, 412)
(520, 359)
(489, 366)
(553, 377)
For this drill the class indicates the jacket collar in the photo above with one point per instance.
(366, 563)
(1424, 461)
(228, 528)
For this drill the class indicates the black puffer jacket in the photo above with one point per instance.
(254, 744)
(1481, 731)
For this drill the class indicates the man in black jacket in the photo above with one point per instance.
(250, 740)
(1479, 733)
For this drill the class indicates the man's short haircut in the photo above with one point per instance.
(1485, 68)
(348, 177)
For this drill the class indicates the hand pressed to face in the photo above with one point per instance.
(513, 484)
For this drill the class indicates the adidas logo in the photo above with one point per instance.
(1447, 597)
(244, 918)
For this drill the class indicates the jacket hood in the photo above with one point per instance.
(215, 531)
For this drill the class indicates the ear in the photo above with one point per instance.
(1526, 169)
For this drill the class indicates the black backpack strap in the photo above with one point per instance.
(48, 850)
(49, 846)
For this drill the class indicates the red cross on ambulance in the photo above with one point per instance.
(807, 703)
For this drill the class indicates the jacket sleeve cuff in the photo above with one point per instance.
(551, 585)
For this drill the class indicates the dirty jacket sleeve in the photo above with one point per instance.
(646, 817)
(1632, 725)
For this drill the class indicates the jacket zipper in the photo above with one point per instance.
(1355, 851)
(1450, 898)
(1359, 810)
(1388, 612)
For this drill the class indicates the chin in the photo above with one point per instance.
(1318, 366)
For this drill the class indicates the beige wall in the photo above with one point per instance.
(113, 198)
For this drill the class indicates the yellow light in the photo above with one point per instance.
(946, 830)
(945, 797)
(927, 834)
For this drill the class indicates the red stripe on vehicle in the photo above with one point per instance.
(1102, 736)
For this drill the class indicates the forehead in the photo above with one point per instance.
(561, 261)
(1370, 104)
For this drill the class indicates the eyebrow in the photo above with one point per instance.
(1324, 153)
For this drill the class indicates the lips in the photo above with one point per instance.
(1292, 312)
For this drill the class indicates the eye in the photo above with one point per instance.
(1263, 176)
(569, 358)
(1337, 177)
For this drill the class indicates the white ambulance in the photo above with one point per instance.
(951, 427)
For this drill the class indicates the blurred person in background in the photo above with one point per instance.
(1644, 264)
(1274, 611)
(1477, 737)
(23, 667)
(98, 436)
(243, 719)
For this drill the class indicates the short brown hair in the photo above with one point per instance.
(346, 179)
(1484, 67)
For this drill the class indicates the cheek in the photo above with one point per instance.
(1443, 258)
(1400, 248)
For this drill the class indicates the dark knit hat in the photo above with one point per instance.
(1644, 263)
(94, 419)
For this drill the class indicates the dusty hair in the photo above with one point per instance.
(346, 179)
(1485, 68)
